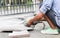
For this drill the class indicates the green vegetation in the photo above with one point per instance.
(27, 2)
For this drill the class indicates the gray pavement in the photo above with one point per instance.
(33, 34)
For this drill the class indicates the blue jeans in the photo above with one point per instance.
(51, 16)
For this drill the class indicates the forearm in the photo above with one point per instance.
(38, 16)
(35, 18)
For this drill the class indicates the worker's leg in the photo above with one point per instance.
(50, 17)
(51, 20)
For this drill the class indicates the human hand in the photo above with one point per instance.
(29, 23)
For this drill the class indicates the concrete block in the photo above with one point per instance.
(17, 34)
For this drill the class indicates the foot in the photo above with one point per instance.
(49, 31)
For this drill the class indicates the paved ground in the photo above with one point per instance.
(33, 34)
